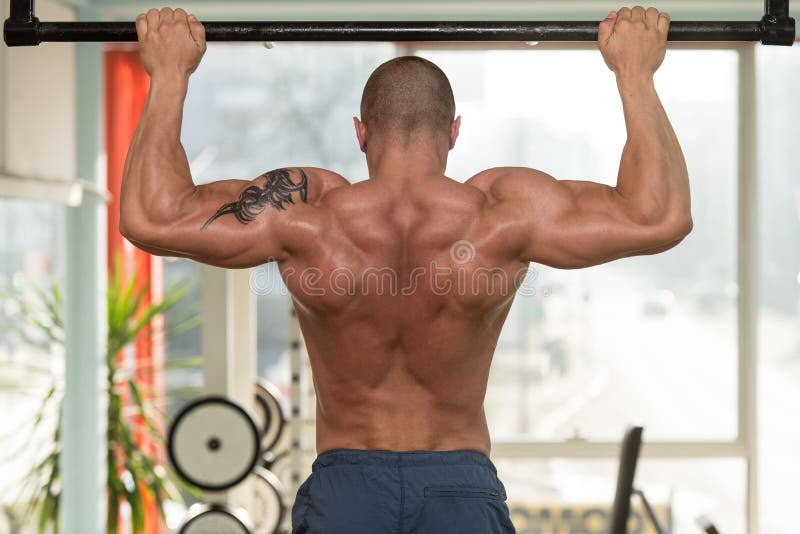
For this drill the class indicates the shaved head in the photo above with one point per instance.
(406, 96)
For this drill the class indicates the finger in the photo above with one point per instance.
(197, 30)
(181, 19)
(637, 14)
(152, 20)
(624, 14)
(663, 23)
(141, 26)
(165, 15)
(606, 28)
(179, 15)
(651, 17)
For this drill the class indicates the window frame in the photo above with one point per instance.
(744, 445)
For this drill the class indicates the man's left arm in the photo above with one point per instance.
(231, 223)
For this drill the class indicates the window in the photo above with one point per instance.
(183, 349)
(650, 339)
(779, 283)
(31, 262)
(573, 495)
(585, 352)
(250, 110)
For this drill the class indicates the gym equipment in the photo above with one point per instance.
(705, 523)
(269, 413)
(216, 518)
(629, 456)
(214, 443)
(268, 502)
(22, 28)
(278, 464)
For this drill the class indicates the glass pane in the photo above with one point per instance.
(779, 313)
(31, 356)
(31, 237)
(183, 376)
(651, 339)
(575, 496)
(273, 329)
(250, 110)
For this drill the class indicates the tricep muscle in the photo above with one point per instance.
(230, 223)
(574, 224)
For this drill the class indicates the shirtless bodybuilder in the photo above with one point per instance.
(402, 282)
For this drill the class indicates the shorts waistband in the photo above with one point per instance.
(402, 458)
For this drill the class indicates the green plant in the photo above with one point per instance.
(134, 476)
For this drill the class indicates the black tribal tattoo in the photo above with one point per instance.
(277, 190)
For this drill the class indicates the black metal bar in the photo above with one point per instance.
(23, 28)
(776, 8)
(779, 27)
(386, 31)
(654, 522)
(626, 472)
(22, 11)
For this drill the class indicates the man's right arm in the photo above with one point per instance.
(574, 224)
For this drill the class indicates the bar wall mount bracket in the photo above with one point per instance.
(23, 28)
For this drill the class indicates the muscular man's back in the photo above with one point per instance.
(401, 294)
(402, 282)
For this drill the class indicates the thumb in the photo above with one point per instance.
(607, 27)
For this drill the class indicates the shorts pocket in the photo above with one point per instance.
(463, 492)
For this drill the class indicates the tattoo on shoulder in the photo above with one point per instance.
(277, 190)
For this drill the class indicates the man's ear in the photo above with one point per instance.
(454, 129)
(361, 134)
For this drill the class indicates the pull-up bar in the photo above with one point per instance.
(22, 28)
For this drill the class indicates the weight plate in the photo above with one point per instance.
(278, 464)
(205, 518)
(213, 443)
(270, 414)
(268, 508)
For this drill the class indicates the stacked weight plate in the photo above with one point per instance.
(215, 444)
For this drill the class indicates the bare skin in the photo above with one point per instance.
(400, 358)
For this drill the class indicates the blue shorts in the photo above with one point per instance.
(382, 492)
